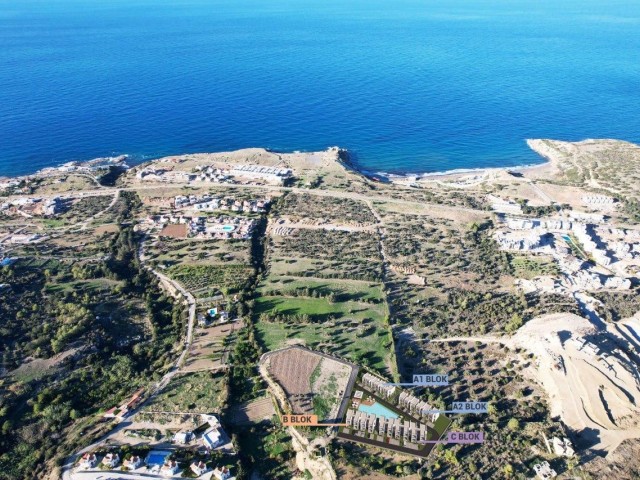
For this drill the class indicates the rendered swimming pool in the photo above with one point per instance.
(228, 228)
(378, 409)
(157, 457)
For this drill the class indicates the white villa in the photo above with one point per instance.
(111, 460)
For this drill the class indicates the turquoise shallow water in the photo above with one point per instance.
(407, 86)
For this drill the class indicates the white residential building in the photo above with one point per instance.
(111, 460)
(598, 200)
(88, 460)
(133, 462)
(544, 471)
(222, 473)
(183, 437)
(169, 468)
(378, 385)
(270, 174)
(199, 468)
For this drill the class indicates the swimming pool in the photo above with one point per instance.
(567, 238)
(228, 228)
(377, 409)
(157, 457)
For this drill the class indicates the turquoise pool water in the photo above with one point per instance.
(378, 409)
(157, 457)
(228, 228)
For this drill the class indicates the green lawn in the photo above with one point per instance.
(320, 309)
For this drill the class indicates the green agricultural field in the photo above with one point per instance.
(230, 278)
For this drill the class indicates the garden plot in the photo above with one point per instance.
(312, 383)
(209, 280)
(170, 252)
(199, 392)
(210, 347)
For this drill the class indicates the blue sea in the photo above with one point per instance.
(405, 85)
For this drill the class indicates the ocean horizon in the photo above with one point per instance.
(406, 87)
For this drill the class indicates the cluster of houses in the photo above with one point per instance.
(109, 461)
(555, 237)
(407, 430)
(208, 203)
(29, 207)
(624, 243)
(598, 200)
(415, 406)
(169, 467)
(220, 228)
(590, 280)
(405, 401)
(213, 437)
(542, 242)
(394, 426)
(274, 175)
(551, 224)
(210, 173)
(502, 205)
(592, 244)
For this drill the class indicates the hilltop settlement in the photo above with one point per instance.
(169, 320)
